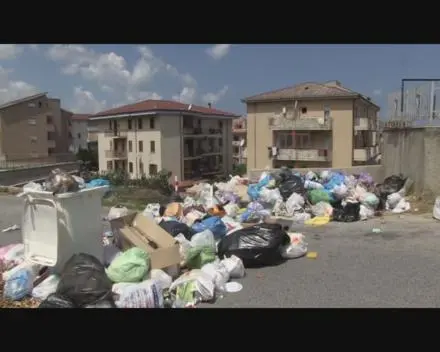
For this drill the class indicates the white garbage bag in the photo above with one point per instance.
(34, 268)
(161, 277)
(366, 212)
(147, 294)
(219, 274)
(392, 200)
(296, 248)
(117, 212)
(270, 196)
(294, 202)
(46, 287)
(322, 209)
(202, 286)
(235, 267)
(340, 192)
(401, 207)
(153, 209)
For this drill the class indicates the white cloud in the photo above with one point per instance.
(12, 90)
(218, 51)
(214, 98)
(34, 47)
(377, 92)
(10, 51)
(85, 101)
(187, 95)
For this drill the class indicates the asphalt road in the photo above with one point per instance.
(355, 267)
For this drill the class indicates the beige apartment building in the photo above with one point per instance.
(34, 129)
(239, 152)
(311, 125)
(143, 138)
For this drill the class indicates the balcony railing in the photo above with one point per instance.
(363, 124)
(115, 134)
(365, 154)
(189, 131)
(116, 154)
(303, 154)
(279, 122)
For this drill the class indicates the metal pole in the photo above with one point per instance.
(431, 103)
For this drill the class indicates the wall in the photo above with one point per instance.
(415, 153)
(259, 135)
(172, 145)
(79, 134)
(60, 120)
(376, 171)
(17, 176)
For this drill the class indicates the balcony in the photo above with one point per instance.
(115, 134)
(280, 122)
(365, 154)
(201, 132)
(363, 124)
(236, 143)
(116, 154)
(239, 130)
(303, 154)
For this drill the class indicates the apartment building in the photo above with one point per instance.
(143, 138)
(311, 125)
(79, 131)
(34, 129)
(239, 152)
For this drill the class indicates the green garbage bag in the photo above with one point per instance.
(318, 195)
(196, 257)
(130, 266)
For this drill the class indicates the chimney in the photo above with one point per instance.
(209, 105)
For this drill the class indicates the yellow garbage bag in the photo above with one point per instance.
(318, 221)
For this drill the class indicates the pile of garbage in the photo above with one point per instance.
(310, 198)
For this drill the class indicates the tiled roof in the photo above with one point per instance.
(80, 117)
(22, 100)
(307, 90)
(162, 105)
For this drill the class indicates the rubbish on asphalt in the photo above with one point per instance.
(179, 254)
(233, 287)
(11, 228)
(376, 230)
(312, 255)
(435, 210)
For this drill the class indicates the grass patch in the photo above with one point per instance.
(134, 198)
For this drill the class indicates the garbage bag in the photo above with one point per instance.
(365, 179)
(294, 203)
(98, 182)
(219, 274)
(130, 266)
(392, 184)
(213, 223)
(108, 303)
(436, 209)
(365, 212)
(235, 267)
(340, 191)
(146, 294)
(175, 227)
(192, 287)
(83, 281)
(255, 245)
(56, 301)
(336, 179)
(322, 209)
(370, 200)
(392, 200)
(196, 257)
(347, 213)
(319, 195)
(296, 248)
(11, 255)
(291, 184)
(161, 277)
(19, 285)
(116, 212)
(312, 185)
(46, 287)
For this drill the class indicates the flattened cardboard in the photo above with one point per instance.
(139, 231)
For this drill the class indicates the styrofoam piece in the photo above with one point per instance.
(54, 227)
(233, 287)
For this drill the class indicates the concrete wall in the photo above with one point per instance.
(415, 153)
(376, 171)
(17, 176)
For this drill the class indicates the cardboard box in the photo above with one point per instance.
(136, 230)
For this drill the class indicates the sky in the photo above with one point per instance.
(92, 78)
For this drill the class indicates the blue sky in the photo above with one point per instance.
(91, 78)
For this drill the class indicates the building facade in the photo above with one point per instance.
(34, 129)
(239, 152)
(189, 141)
(311, 125)
(79, 130)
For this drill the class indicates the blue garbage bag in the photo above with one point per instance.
(214, 224)
(19, 285)
(254, 189)
(98, 182)
(336, 179)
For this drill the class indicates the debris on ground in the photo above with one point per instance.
(190, 250)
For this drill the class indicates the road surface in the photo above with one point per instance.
(355, 267)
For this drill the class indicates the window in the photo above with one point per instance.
(220, 124)
(129, 124)
(110, 125)
(220, 142)
(79, 135)
(31, 105)
(130, 146)
(152, 169)
(49, 120)
(130, 167)
(39, 104)
(152, 123)
(139, 123)
(33, 139)
(286, 140)
(303, 110)
(109, 165)
(141, 146)
(32, 122)
(152, 147)
(141, 167)
(302, 140)
(418, 99)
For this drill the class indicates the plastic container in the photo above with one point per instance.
(56, 227)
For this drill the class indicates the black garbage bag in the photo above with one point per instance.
(391, 184)
(84, 281)
(291, 184)
(56, 301)
(257, 245)
(347, 213)
(102, 304)
(175, 227)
